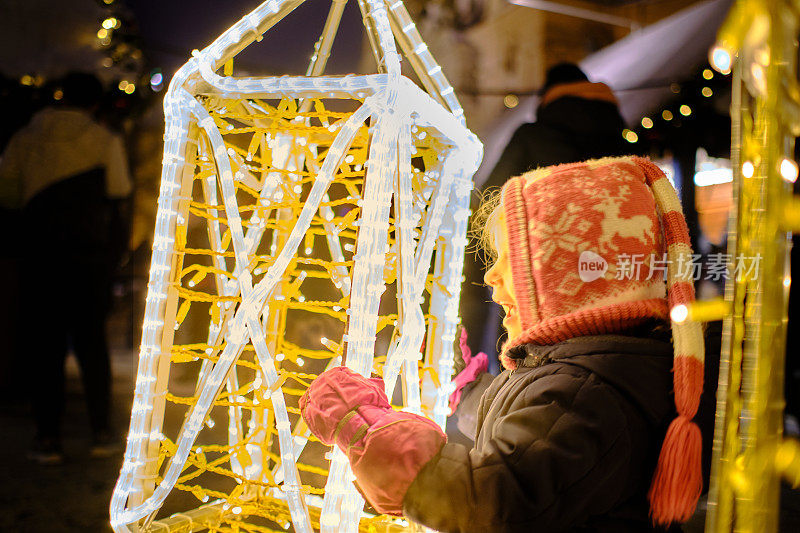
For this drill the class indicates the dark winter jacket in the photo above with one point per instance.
(567, 442)
(566, 130)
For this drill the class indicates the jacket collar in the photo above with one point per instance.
(532, 355)
(632, 364)
(580, 89)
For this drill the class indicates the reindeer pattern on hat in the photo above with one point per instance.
(604, 208)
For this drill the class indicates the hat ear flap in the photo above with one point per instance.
(677, 482)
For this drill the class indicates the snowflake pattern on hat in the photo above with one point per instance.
(607, 209)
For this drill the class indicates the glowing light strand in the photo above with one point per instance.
(395, 97)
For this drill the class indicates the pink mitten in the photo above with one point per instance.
(386, 448)
(334, 397)
(475, 366)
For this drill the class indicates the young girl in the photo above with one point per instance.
(569, 434)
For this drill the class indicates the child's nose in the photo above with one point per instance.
(490, 278)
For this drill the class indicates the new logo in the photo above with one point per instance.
(591, 266)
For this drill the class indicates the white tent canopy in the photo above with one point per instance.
(639, 68)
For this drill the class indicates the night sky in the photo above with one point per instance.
(51, 37)
(171, 29)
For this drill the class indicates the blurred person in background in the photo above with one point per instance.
(67, 178)
(576, 120)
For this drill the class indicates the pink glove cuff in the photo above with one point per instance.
(392, 454)
(353, 427)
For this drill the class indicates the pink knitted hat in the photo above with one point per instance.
(589, 259)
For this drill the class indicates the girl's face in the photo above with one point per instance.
(499, 278)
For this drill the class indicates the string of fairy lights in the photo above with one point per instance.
(118, 38)
(721, 59)
(123, 63)
(693, 99)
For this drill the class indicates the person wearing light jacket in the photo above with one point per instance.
(67, 177)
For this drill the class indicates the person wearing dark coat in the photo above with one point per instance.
(576, 120)
(590, 427)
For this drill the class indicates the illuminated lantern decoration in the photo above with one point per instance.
(289, 202)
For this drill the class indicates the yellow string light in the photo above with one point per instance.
(195, 286)
(299, 219)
